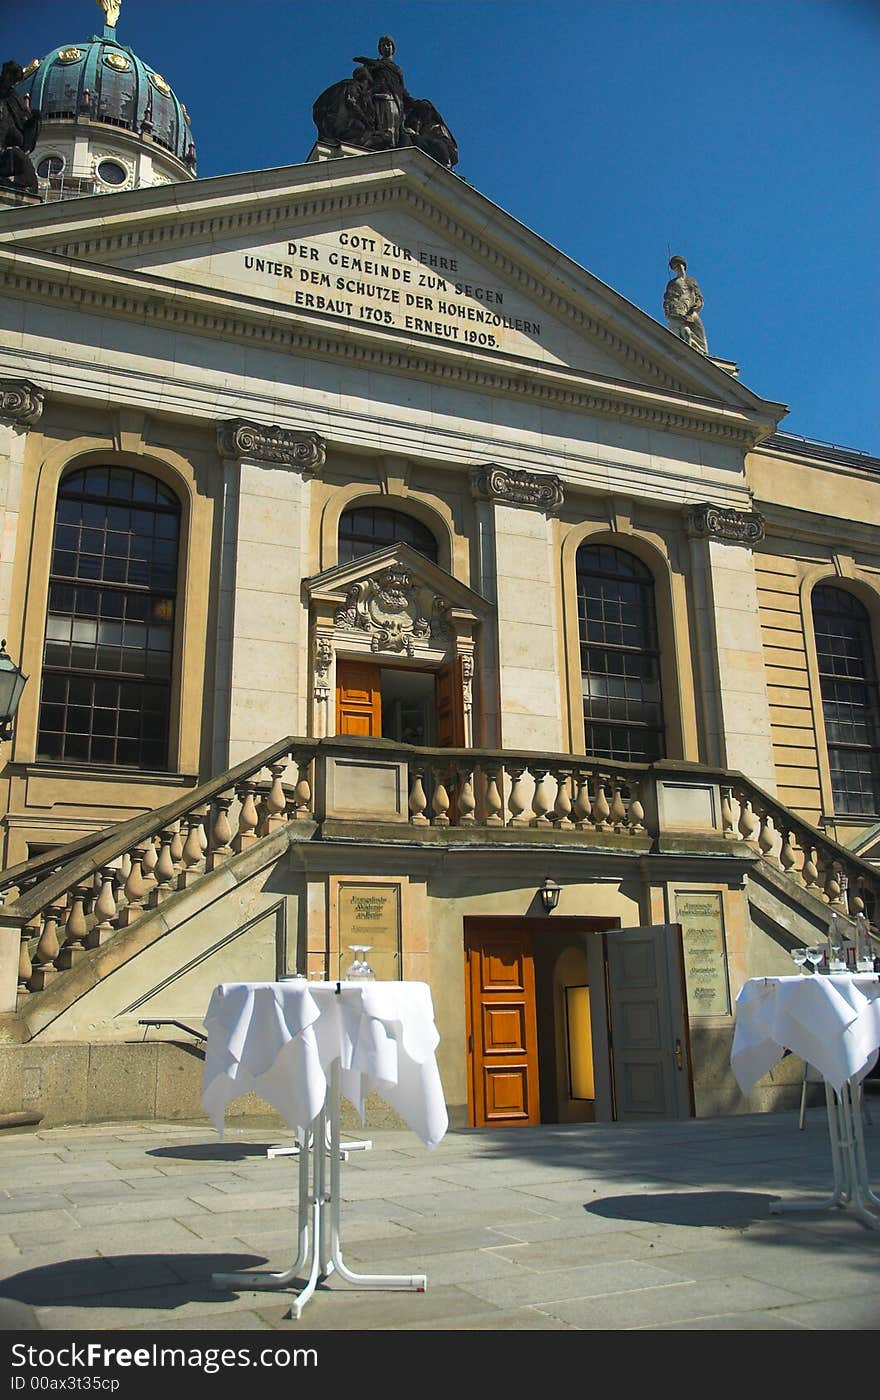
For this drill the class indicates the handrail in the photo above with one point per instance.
(128, 833)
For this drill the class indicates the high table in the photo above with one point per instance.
(833, 1023)
(300, 1045)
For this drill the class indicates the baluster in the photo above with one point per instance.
(192, 848)
(494, 800)
(221, 834)
(810, 868)
(303, 791)
(601, 810)
(124, 867)
(517, 802)
(75, 929)
(105, 908)
(787, 857)
(440, 800)
(148, 864)
(834, 887)
(540, 804)
(177, 845)
(248, 820)
(135, 889)
(164, 871)
(767, 837)
(275, 803)
(856, 899)
(30, 931)
(728, 820)
(583, 807)
(467, 802)
(417, 799)
(748, 822)
(617, 811)
(47, 948)
(636, 821)
(562, 805)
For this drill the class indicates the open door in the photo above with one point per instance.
(358, 698)
(449, 700)
(648, 1031)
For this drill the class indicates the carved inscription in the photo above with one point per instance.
(705, 963)
(363, 277)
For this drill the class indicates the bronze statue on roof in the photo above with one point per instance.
(372, 109)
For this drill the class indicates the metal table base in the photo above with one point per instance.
(851, 1187)
(318, 1229)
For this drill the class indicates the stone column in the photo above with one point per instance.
(516, 508)
(263, 624)
(731, 681)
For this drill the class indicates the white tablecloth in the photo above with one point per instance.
(832, 1022)
(279, 1039)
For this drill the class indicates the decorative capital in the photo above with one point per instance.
(542, 490)
(706, 521)
(238, 438)
(21, 402)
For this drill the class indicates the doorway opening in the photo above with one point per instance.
(408, 705)
(424, 708)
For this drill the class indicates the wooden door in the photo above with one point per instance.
(649, 1042)
(358, 699)
(449, 705)
(501, 1025)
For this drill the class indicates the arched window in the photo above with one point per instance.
(620, 661)
(848, 677)
(365, 528)
(110, 626)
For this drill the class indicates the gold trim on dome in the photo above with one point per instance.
(117, 61)
(31, 68)
(69, 55)
(158, 81)
(185, 114)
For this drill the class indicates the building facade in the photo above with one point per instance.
(382, 577)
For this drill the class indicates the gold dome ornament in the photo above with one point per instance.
(117, 61)
(111, 10)
(69, 55)
(31, 68)
(158, 81)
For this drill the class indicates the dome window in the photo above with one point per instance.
(112, 173)
(49, 166)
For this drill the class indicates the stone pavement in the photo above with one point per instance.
(661, 1226)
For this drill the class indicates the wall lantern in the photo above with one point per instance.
(549, 893)
(12, 683)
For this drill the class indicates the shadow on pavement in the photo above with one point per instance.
(212, 1151)
(112, 1279)
(699, 1208)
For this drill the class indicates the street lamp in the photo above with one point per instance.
(12, 683)
(549, 893)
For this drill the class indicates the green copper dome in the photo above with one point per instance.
(104, 81)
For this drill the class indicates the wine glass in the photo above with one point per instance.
(359, 968)
(799, 956)
(815, 956)
(864, 956)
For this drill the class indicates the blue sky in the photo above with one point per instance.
(743, 134)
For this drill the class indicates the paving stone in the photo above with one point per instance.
(673, 1302)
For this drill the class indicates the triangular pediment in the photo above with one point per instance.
(388, 247)
(334, 585)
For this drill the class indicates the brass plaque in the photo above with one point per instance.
(700, 914)
(369, 914)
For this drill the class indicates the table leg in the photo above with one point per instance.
(268, 1279)
(418, 1282)
(848, 1162)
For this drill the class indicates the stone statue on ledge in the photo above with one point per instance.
(19, 130)
(682, 302)
(373, 109)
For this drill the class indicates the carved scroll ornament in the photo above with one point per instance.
(706, 521)
(21, 401)
(395, 612)
(541, 490)
(285, 447)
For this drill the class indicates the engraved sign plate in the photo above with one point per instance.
(702, 929)
(369, 913)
